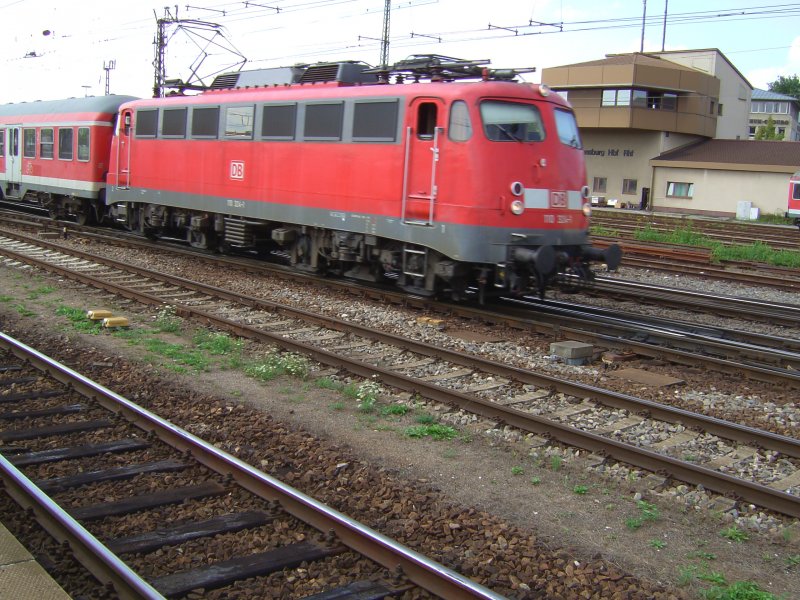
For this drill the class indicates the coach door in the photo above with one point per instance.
(13, 161)
(124, 150)
(421, 159)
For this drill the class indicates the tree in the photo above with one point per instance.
(786, 85)
(767, 132)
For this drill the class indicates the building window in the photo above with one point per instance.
(83, 144)
(616, 97)
(629, 186)
(239, 122)
(712, 107)
(46, 143)
(29, 143)
(599, 185)
(65, 144)
(679, 189)
(752, 132)
(719, 110)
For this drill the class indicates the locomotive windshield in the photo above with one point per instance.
(567, 128)
(511, 122)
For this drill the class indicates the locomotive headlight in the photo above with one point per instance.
(587, 209)
(517, 207)
(517, 188)
(544, 90)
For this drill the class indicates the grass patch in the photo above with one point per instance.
(394, 410)
(78, 319)
(517, 470)
(657, 544)
(740, 590)
(180, 355)
(581, 490)
(276, 364)
(756, 252)
(41, 291)
(436, 431)
(647, 512)
(734, 534)
(5, 298)
(556, 462)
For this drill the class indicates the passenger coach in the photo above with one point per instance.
(55, 153)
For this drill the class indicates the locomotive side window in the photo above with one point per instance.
(324, 121)
(83, 144)
(375, 121)
(278, 121)
(146, 123)
(460, 129)
(511, 122)
(29, 143)
(239, 122)
(173, 122)
(426, 120)
(65, 143)
(205, 122)
(46, 143)
(796, 191)
(567, 128)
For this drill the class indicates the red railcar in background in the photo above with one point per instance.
(794, 198)
(55, 153)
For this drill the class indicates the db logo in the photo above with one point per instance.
(237, 169)
(558, 199)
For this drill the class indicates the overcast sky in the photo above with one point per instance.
(54, 49)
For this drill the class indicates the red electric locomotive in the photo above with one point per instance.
(55, 154)
(794, 198)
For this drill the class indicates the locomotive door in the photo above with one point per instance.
(13, 161)
(124, 151)
(421, 159)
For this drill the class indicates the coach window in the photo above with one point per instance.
(324, 121)
(65, 143)
(460, 129)
(375, 121)
(29, 143)
(173, 122)
(46, 143)
(83, 144)
(2, 142)
(511, 122)
(205, 122)
(278, 121)
(239, 122)
(146, 123)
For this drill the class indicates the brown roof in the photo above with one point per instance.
(738, 152)
(636, 58)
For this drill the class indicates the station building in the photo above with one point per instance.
(648, 121)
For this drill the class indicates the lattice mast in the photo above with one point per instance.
(384, 61)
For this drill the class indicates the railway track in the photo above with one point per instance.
(756, 466)
(625, 224)
(99, 467)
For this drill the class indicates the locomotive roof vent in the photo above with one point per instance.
(342, 72)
